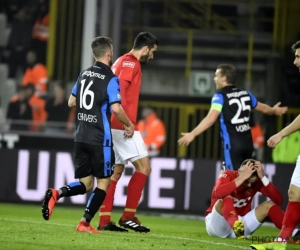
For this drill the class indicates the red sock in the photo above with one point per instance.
(291, 219)
(134, 193)
(276, 215)
(228, 211)
(107, 205)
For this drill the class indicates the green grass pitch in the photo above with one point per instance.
(23, 228)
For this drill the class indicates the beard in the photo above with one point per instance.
(144, 59)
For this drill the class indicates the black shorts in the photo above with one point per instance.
(233, 158)
(93, 160)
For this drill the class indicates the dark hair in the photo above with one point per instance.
(296, 46)
(100, 45)
(228, 70)
(144, 39)
(251, 161)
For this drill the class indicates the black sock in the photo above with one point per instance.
(95, 201)
(72, 189)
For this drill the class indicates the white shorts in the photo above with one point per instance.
(217, 226)
(130, 149)
(296, 174)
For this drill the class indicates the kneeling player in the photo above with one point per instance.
(230, 214)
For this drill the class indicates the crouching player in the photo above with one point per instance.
(230, 214)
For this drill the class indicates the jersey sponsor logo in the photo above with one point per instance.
(128, 64)
(240, 203)
(242, 128)
(93, 74)
(223, 176)
(86, 117)
(237, 94)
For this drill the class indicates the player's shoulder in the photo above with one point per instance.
(128, 61)
(217, 95)
(227, 174)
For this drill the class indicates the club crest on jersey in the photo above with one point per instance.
(128, 64)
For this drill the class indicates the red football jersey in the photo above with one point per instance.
(128, 69)
(242, 195)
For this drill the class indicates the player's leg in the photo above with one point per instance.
(85, 183)
(238, 155)
(93, 205)
(292, 213)
(228, 211)
(233, 158)
(102, 161)
(254, 219)
(105, 222)
(134, 193)
(139, 158)
(216, 225)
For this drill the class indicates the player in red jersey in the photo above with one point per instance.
(128, 69)
(230, 214)
(292, 214)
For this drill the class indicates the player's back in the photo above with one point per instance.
(235, 115)
(128, 68)
(92, 105)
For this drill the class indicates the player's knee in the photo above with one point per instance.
(118, 170)
(146, 170)
(294, 193)
(116, 176)
(143, 166)
(267, 206)
(88, 185)
(103, 183)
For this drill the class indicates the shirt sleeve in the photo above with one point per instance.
(74, 89)
(127, 71)
(253, 100)
(217, 102)
(113, 91)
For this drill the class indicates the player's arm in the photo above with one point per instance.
(72, 101)
(269, 190)
(265, 108)
(114, 98)
(208, 121)
(126, 74)
(225, 185)
(124, 84)
(72, 98)
(267, 187)
(293, 127)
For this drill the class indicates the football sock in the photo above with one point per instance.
(291, 219)
(228, 211)
(276, 215)
(93, 205)
(134, 193)
(71, 189)
(107, 205)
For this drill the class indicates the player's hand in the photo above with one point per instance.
(248, 170)
(279, 110)
(186, 139)
(259, 169)
(274, 140)
(129, 131)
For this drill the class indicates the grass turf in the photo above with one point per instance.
(23, 228)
